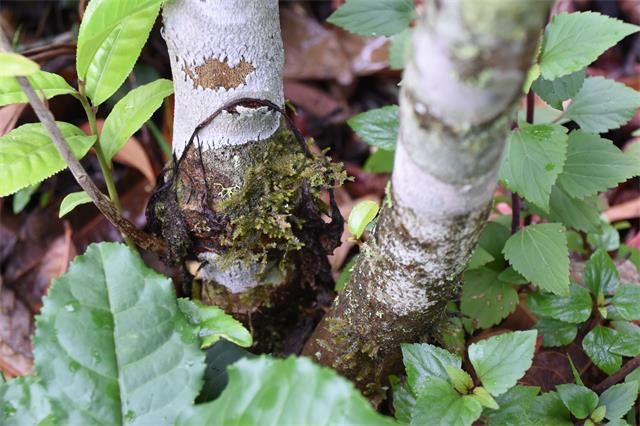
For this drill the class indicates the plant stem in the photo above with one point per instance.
(618, 375)
(516, 203)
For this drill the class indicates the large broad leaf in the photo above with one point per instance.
(600, 274)
(44, 83)
(554, 92)
(377, 127)
(367, 18)
(574, 40)
(597, 343)
(548, 409)
(14, 64)
(514, 406)
(28, 156)
(619, 399)
(575, 308)
(422, 360)
(627, 342)
(534, 159)
(581, 401)
(602, 105)
(110, 39)
(24, 402)
(581, 214)
(111, 345)
(556, 333)
(500, 361)
(293, 391)
(130, 113)
(594, 164)
(540, 254)
(440, 404)
(485, 298)
(212, 324)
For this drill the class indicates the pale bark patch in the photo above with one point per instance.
(215, 74)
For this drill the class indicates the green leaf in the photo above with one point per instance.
(22, 198)
(514, 407)
(44, 83)
(422, 361)
(574, 40)
(130, 113)
(593, 164)
(485, 298)
(510, 276)
(345, 274)
(73, 200)
(534, 159)
(111, 345)
(403, 400)
(580, 400)
(619, 399)
(556, 333)
(602, 105)
(500, 361)
(600, 274)
(23, 401)
(485, 399)
(597, 343)
(381, 161)
(574, 309)
(626, 301)
(377, 127)
(548, 410)
(290, 391)
(366, 18)
(598, 414)
(460, 379)
(361, 215)
(212, 323)
(627, 342)
(14, 65)
(440, 404)
(480, 257)
(492, 239)
(554, 92)
(606, 238)
(110, 38)
(400, 48)
(540, 254)
(218, 357)
(581, 214)
(28, 156)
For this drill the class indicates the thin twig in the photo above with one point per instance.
(618, 375)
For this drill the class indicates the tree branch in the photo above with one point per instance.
(617, 376)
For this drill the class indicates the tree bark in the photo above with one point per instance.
(457, 102)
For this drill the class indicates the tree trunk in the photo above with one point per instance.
(459, 91)
(243, 194)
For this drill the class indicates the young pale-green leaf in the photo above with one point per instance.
(500, 361)
(484, 398)
(459, 379)
(554, 92)
(619, 399)
(292, 391)
(361, 215)
(556, 333)
(596, 345)
(422, 360)
(367, 18)
(539, 252)
(111, 345)
(22, 197)
(575, 308)
(514, 407)
(14, 65)
(28, 156)
(594, 164)
(534, 159)
(574, 40)
(212, 324)
(73, 200)
(626, 302)
(130, 113)
(23, 401)
(600, 274)
(485, 298)
(377, 127)
(44, 83)
(581, 401)
(602, 105)
(110, 38)
(439, 404)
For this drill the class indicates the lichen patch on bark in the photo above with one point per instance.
(215, 74)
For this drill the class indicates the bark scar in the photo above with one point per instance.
(214, 74)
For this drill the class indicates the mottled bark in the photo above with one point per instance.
(458, 95)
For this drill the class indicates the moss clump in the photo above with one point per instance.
(267, 213)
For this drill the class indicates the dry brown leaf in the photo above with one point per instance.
(9, 116)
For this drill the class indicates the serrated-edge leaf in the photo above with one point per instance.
(44, 83)
(581, 401)
(600, 274)
(366, 18)
(485, 298)
(422, 360)
(212, 324)
(626, 301)
(377, 127)
(554, 92)
(73, 200)
(556, 333)
(619, 399)
(23, 401)
(514, 407)
(596, 345)
(440, 404)
(574, 309)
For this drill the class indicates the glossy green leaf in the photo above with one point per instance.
(366, 18)
(603, 104)
(548, 409)
(44, 83)
(22, 198)
(593, 164)
(500, 361)
(627, 342)
(581, 401)
(574, 309)
(377, 127)
(534, 158)
(597, 343)
(110, 38)
(514, 407)
(290, 391)
(73, 200)
(111, 345)
(619, 399)
(539, 252)
(14, 64)
(440, 404)
(400, 48)
(23, 401)
(381, 161)
(600, 274)
(574, 40)
(556, 333)
(626, 302)
(485, 298)
(480, 257)
(606, 238)
(212, 323)
(130, 113)
(28, 156)
(422, 361)
(361, 215)
(554, 92)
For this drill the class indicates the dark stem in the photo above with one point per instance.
(618, 375)
(516, 203)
